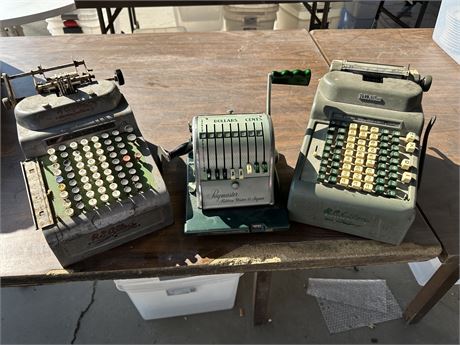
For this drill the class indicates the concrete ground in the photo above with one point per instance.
(96, 312)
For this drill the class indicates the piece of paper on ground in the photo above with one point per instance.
(347, 304)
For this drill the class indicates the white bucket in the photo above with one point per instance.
(250, 17)
(199, 18)
(155, 298)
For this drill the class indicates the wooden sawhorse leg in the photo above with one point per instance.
(262, 284)
(442, 280)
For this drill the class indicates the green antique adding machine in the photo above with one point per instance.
(231, 172)
(90, 175)
(359, 165)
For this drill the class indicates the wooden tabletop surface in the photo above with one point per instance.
(169, 79)
(439, 192)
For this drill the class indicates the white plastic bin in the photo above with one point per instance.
(199, 18)
(250, 17)
(87, 20)
(292, 16)
(424, 270)
(156, 299)
(447, 29)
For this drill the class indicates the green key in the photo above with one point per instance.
(336, 157)
(324, 162)
(394, 161)
(383, 152)
(386, 131)
(332, 179)
(381, 166)
(327, 148)
(331, 129)
(339, 143)
(395, 148)
(383, 159)
(330, 136)
(383, 145)
(334, 172)
(395, 154)
(380, 181)
(325, 155)
(321, 177)
(342, 131)
(391, 193)
(393, 176)
(396, 133)
(322, 169)
(381, 173)
(384, 138)
(379, 189)
(335, 165)
(340, 137)
(392, 184)
(393, 168)
(395, 140)
(329, 142)
(337, 151)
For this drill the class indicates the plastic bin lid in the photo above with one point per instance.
(252, 8)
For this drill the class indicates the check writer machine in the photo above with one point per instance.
(231, 175)
(90, 176)
(362, 155)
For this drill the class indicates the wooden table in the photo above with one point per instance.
(439, 193)
(169, 79)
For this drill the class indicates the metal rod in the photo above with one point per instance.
(41, 70)
(268, 107)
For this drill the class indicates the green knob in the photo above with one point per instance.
(293, 77)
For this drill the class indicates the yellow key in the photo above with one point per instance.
(353, 126)
(358, 169)
(369, 179)
(372, 156)
(357, 176)
(374, 130)
(343, 181)
(363, 128)
(370, 171)
(405, 164)
(350, 146)
(373, 143)
(410, 147)
(61, 187)
(361, 148)
(363, 135)
(352, 132)
(372, 150)
(351, 139)
(368, 187)
(406, 177)
(360, 154)
(359, 161)
(373, 136)
(347, 159)
(356, 185)
(348, 152)
(370, 163)
(346, 167)
(362, 142)
(345, 174)
(410, 137)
